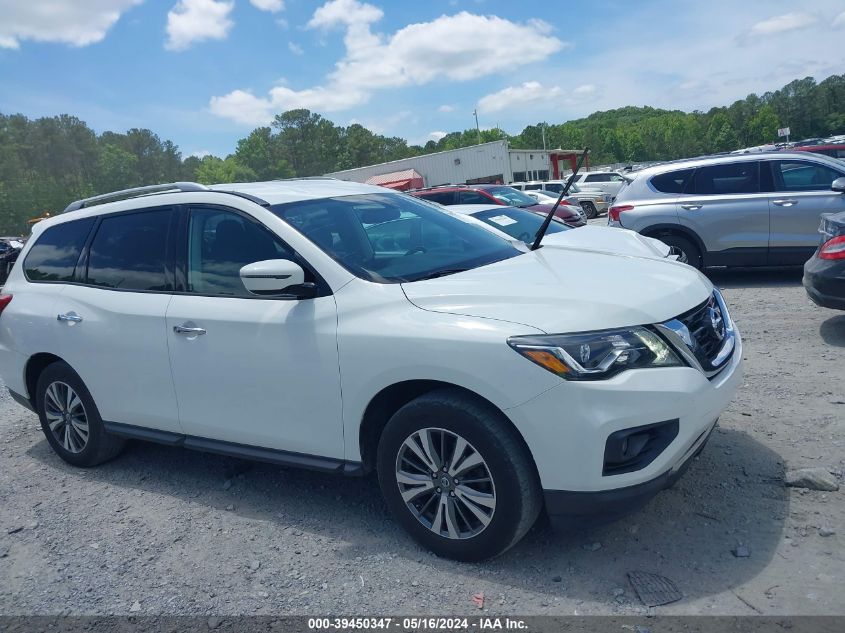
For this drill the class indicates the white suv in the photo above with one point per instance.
(608, 181)
(346, 328)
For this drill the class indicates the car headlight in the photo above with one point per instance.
(596, 355)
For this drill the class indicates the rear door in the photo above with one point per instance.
(800, 193)
(724, 206)
(111, 321)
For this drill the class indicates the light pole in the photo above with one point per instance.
(477, 129)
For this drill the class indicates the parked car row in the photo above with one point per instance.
(594, 201)
(351, 329)
(569, 211)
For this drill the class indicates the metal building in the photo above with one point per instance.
(493, 162)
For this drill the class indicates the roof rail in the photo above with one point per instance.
(135, 191)
(305, 178)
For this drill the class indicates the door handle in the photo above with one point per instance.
(71, 317)
(181, 329)
(691, 207)
(788, 202)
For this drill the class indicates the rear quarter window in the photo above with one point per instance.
(53, 257)
(673, 181)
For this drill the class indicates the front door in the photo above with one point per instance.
(801, 193)
(251, 370)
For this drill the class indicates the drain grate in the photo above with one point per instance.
(652, 589)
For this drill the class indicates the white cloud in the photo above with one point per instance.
(782, 24)
(296, 49)
(63, 21)
(242, 107)
(192, 21)
(585, 90)
(436, 135)
(446, 108)
(348, 12)
(273, 6)
(528, 92)
(448, 47)
(839, 20)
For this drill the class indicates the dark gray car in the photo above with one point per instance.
(734, 210)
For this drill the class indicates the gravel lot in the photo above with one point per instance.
(166, 531)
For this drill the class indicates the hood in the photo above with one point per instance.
(608, 240)
(540, 289)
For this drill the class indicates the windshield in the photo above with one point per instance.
(511, 196)
(518, 223)
(392, 237)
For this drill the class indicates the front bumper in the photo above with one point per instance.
(566, 428)
(569, 509)
(824, 281)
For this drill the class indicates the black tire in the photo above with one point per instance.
(517, 491)
(687, 251)
(99, 446)
(590, 209)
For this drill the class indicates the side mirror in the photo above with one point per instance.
(271, 276)
(838, 185)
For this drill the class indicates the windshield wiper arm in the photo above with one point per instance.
(442, 273)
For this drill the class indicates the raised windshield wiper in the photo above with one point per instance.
(442, 273)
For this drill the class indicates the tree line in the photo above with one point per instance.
(47, 162)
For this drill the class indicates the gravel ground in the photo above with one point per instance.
(166, 531)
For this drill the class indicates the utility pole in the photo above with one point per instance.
(543, 131)
(477, 129)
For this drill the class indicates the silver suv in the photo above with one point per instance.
(734, 210)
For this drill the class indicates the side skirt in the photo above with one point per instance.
(243, 451)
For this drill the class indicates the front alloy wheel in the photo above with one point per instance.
(457, 476)
(66, 416)
(445, 483)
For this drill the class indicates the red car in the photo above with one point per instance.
(569, 210)
(837, 150)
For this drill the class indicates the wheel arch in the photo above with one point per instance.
(657, 230)
(36, 364)
(393, 397)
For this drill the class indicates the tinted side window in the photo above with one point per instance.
(441, 197)
(473, 197)
(220, 243)
(797, 175)
(597, 178)
(727, 179)
(129, 251)
(673, 181)
(54, 255)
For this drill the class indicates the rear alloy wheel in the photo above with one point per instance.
(66, 416)
(70, 419)
(457, 476)
(590, 209)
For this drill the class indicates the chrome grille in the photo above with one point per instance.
(704, 335)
